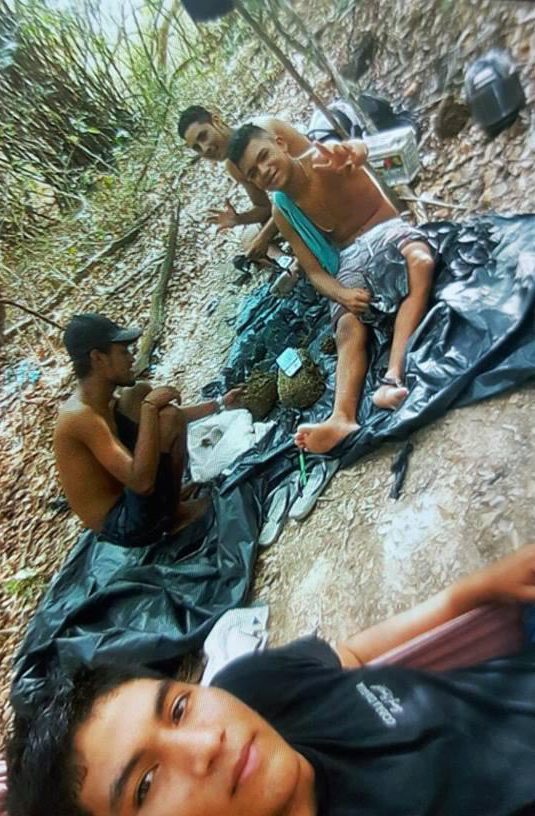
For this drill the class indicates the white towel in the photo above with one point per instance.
(216, 441)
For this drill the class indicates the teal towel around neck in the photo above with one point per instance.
(326, 253)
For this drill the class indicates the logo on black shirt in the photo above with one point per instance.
(383, 702)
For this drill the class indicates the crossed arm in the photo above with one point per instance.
(511, 579)
(136, 470)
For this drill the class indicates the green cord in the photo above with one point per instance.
(303, 469)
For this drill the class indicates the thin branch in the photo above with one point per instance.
(109, 249)
(26, 309)
(283, 59)
(157, 313)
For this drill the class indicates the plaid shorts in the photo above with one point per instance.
(360, 268)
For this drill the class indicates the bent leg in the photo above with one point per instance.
(420, 266)
(351, 338)
(173, 435)
(173, 441)
(129, 402)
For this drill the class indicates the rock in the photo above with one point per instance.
(499, 190)
(451, 117)
(304, 388)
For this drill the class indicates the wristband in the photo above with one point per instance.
(220, 404)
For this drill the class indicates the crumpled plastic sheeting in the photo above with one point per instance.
(151, 606)
(478, 337)
(477, 340)
(141, 606)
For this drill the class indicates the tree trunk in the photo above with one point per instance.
(288, 65)
(323, 61)
(157, 309)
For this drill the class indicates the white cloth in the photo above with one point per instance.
(236, 633)
(216, 441)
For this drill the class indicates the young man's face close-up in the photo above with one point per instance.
(166, 748)
(118, 364)
(266, 164)
(207, 139)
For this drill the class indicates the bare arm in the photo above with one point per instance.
(230, 400)
(324, 283)
(261, 209)
(296, 141)
(510, 579)
(203, 409)
(136, 471)
(259, 245)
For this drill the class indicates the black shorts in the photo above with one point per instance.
(136, 520)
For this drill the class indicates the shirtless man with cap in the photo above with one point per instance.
(121, 458)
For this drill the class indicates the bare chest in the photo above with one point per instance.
(340, 205)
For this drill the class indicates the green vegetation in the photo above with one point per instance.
(88, 112)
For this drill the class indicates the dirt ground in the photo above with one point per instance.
(361, 556)
(469, 493)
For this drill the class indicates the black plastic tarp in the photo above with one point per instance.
(153, 605)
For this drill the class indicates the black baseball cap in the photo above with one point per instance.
(89, 331)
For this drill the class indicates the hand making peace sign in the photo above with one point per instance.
(337, 157)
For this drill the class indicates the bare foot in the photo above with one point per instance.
(389, 396)
(322, 437)
(190, 511)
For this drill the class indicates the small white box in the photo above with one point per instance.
(393, 154)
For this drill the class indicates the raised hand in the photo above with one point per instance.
(336, 157)
(225, 219)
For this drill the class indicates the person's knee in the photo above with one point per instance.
(172, 423)
(419, 258)
(420, 268)
(350, 331)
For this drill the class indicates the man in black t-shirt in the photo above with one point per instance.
(304, 730)
(388, 741)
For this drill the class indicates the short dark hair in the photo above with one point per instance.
(240, 139)
(82, 365)
(195, 113)
(44, 773)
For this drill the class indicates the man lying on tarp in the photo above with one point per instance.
(121, 459)
(340, 223)
(302, 730)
